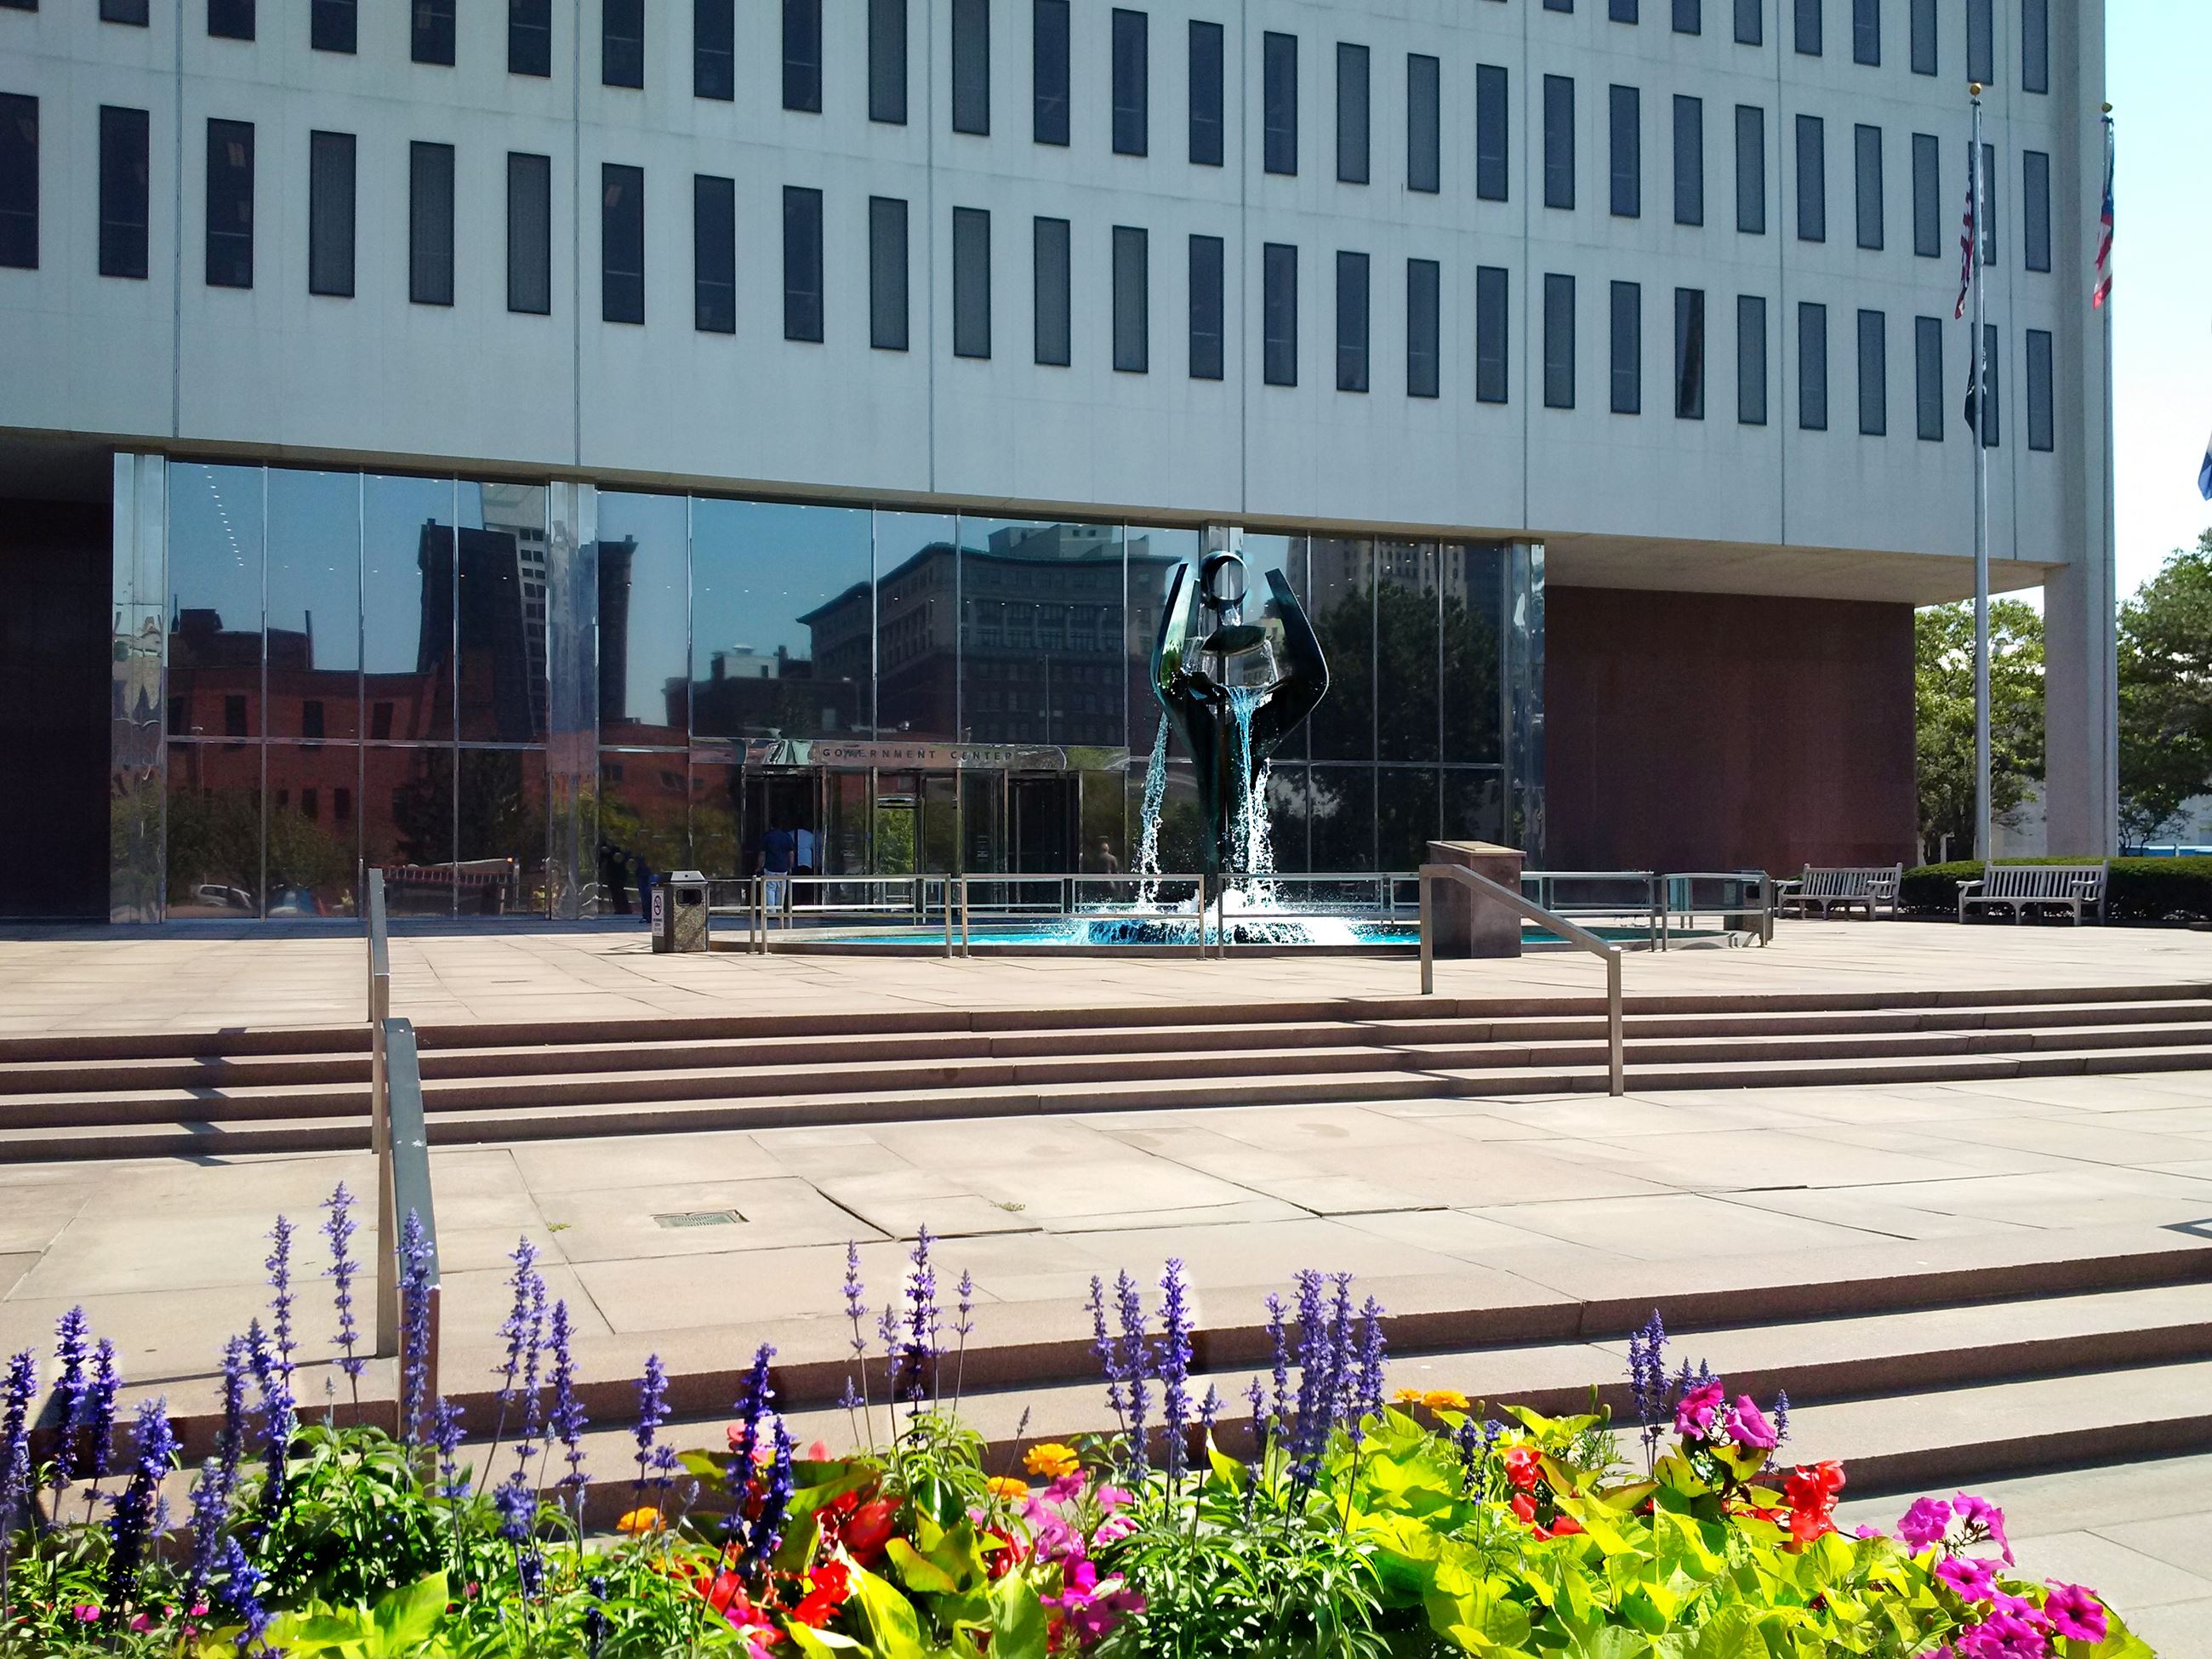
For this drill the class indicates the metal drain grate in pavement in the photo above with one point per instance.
(700, 1218)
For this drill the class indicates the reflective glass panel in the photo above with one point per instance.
(314, 603)
(1406, 816)
(1472, 596)
(1153, 557)
(215, 829)
(1406, 650)
(502, 615)
(1343, 809)
(215, 601)
(781, 644)
(314, 829)
(1343, 610)
(407, 609)
(499, 825)
(917, 626)
(1041, 644)
(409, 831)
(1289, 815)
(644, 812)
(1473, 806)
(645, 619)
(717, 821)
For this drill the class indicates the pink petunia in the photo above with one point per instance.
(2002, 1637)
(1973, 1578)
(2075, 1614)
(1984, 1520)
(1747, 1426)
(1699, 1408)
(1925, 1523)
(85, 1613)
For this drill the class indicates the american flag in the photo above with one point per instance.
(2103, 291)
(1967, 241)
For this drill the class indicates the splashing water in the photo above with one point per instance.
(1248, 823)
(1148, 841)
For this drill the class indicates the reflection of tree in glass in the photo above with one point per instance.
(1471, 649)
(215, 841)
(660, 835)
(498, 819)
(302, 853)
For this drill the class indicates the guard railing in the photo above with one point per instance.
(379, 1112)
(416, 1283)
(1485, 889)
(1744, 900)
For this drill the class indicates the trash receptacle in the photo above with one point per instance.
(679, 912)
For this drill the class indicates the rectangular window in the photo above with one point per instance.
(1278, 57)
(1809, 27)
(1751, 169)
(1351, 322)
(1989, 205)
(1812, 179)
(1992, 407)
(2040, 435)
(1559, 140)
(19, 182)
(622, 43)
(1559, 341)
(1813, 367)
(802, 263)
(1133, 77)
(1351, 113)
(887, 61)
(1048, 71)
(1866, 32)
(1205, 307)
(530, 37)
(1621, 11)
(1927, 196)
(1689, 354)
(1924, 37)
(971, 67)
(124, 11)
(1866, 157)
(1689, 17)
(1279, 313)
(1750, 22)
(887, 272)
(713, 254)
(230, 205)
(1424, 296)
(1490, 334)
(1928, 376)
(430, 40)
(1490, 133)
(330, 213)
(430, 224)
(1874, 374)
(1981, 42)
(1049, 284)
(333, 25)
(2035, 47)
(1424, 125)
(1625, 110)
(1689, 160)
(802, 55)
(313, 721)
(1133, 310)
(1206, 60)
(230, 20)
(530, 233)
(622, 243)
(2035, 207)
(714, 49)
(125, 174)
(1627, 349)
(971, 283)
(1750, 360)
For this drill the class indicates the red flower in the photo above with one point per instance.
(1525, 1507)
(1565, 1527)
(828, 1586)
(1523, 1467)
(869, 1529)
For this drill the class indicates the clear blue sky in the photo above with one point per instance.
(2159, 53)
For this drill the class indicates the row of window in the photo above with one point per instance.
(124, 174)
(335, 28)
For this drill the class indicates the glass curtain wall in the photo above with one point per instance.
(446, 678)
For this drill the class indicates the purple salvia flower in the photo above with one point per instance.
(230, 1437)
(516, 1505)
(1136, 1365)
(211, 1514)
(16, 1495)
(1782, 1416)
(917, 1370)
(765, 1531)
(569, 1420)
(855, 1295)
(1310, 1432)
(92, 1426)
(515, 1327)
(339, 1228)
(1110, 1356)
(414, 1328)
(652, 1411)
(1467, 1438)
(280, 1302)
(445, 1432)
(1279, 1342)
(1174, 1367)
(277, 1417)
(753, 1407)
(1208, 1409)
(72, 1346)
(1256, 1397)
(967, 1320)
(241, 1594)
(533, 1353)
(139, 1512)
(1647, 1373)
(1343, 1362)
(1374, 1359)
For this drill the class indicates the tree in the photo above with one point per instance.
(1943, 711)
(2166, 692)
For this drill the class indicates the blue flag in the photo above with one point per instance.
(2204, 473)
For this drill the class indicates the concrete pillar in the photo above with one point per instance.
(1466, 923)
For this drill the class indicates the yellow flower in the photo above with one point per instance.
(1444, 1400)
(1408, 1397)
(1052, 1459)
(639, 1521)
(1005, 1485)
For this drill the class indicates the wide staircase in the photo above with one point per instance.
(295, 1090)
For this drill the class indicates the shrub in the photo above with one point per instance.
(2136, 891)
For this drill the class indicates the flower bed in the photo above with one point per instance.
(1330, 1518)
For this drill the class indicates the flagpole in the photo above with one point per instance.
(1983, 844)
(2108, 619)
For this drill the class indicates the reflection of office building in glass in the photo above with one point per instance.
(1588, 375)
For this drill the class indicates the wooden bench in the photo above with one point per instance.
(1864, 887)
(2077, 886)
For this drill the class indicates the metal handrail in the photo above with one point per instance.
(1432, 873)
(410, 1164)
(379, 1109)
(758, 909)
(1761, 908)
